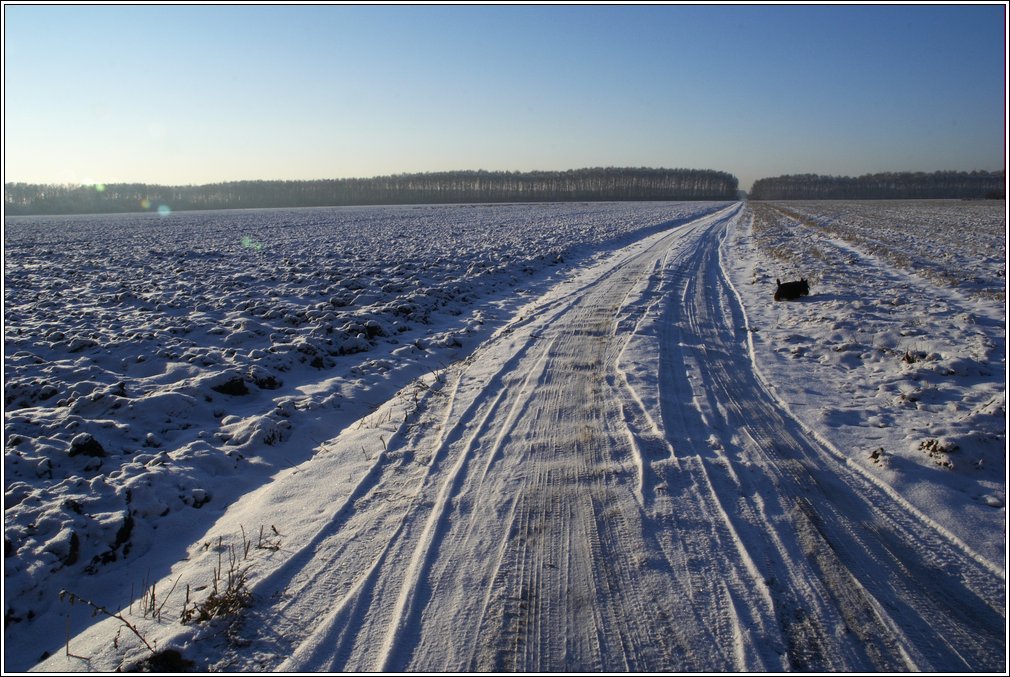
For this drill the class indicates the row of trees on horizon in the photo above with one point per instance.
(883, 186)
(595, 184)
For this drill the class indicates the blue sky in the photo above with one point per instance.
(181, 94)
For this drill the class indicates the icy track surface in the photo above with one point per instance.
(608, 482)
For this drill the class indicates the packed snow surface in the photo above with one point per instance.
(522, 437)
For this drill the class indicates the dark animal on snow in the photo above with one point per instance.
(791, 291)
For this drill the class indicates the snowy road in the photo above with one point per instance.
(607, 484)
(550, 516)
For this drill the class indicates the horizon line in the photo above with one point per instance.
(492, 171)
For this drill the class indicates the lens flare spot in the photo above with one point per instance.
(100, 187)
(164, 210)
(145, 203)
(250, 243)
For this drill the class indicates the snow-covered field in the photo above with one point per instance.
(898, 357)
(205, 351)
(954, 243)
(528, 437)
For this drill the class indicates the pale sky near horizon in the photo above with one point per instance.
(193, 94)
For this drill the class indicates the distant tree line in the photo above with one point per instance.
(886, 186)
(596, 184)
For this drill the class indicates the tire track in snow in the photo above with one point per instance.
(561, 450)
(364, 530)
(402, 507)
(528, 623)
(417, 523)
(750, 519)
(429, 542)
(903, 591)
